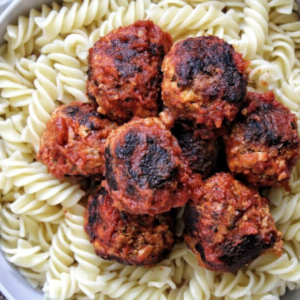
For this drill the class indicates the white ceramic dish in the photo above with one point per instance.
(12, 284)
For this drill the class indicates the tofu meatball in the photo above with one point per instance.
(124, 75)
(74, 140)
(140, 240)
(263, 145)
(230, 225)
(204, 81)
(145, 171)
(202, 155)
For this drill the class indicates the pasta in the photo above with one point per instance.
(70, 78)
(22, 247)
(34, 179)
(43, 64)
(61, 282)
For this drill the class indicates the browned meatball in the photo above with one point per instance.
(263, 145)
(230, 225)
(73, 142)
(145, 171)
(205, 81)
(140, 240)
(124, 75)
(202, 155)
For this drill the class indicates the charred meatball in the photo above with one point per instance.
(124, 75)
(230, 225)
(140, 240)
(74, 140)
(202, 155)
(145, 171)
(205, 81)
(263, 145)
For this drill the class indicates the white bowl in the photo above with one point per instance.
(12, 284)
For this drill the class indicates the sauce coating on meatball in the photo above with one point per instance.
(145, 171)
(140, 240)
(205, 81)
(230, 225)
(74, 140)
(263, 145)
(124, 75)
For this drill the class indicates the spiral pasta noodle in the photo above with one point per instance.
(71, 80)
(42, 100)
(18, 249)
(61, 282)
(63, 19)
(122, 16)
(38, 210)
(14, 87)
(282, 7)
(283, 50)
(184, 21)
(35, 179)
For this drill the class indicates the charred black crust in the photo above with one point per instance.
(109, 172)
(202, 155)
(88, 72)
(92, 98)
(72, 110)
(83, 114)
(236, 255)
(250, 247)
(130, 189)
(207, 56)
(101, 194)
(122, 51)
(191, 219)
(126, 150)
(156, 165)
(93, 216)
(200, 250)
(263, 131)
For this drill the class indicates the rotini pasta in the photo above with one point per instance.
(35, 179)
(43, 100)
(20, 247)
(63, 19)
(70, 78)
(61, 282)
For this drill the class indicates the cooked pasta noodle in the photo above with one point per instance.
(34, 179)
(71, 80)
(44, 64)
(19, 246)
(63, 19)
(61, 282)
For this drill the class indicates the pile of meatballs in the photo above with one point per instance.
(167, 126)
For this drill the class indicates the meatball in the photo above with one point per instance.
(124, 75)
(74, 141)
(230, 225)
(204, 81)
(145, 171)
(202, 155)
(141, 240)
(263, 145)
